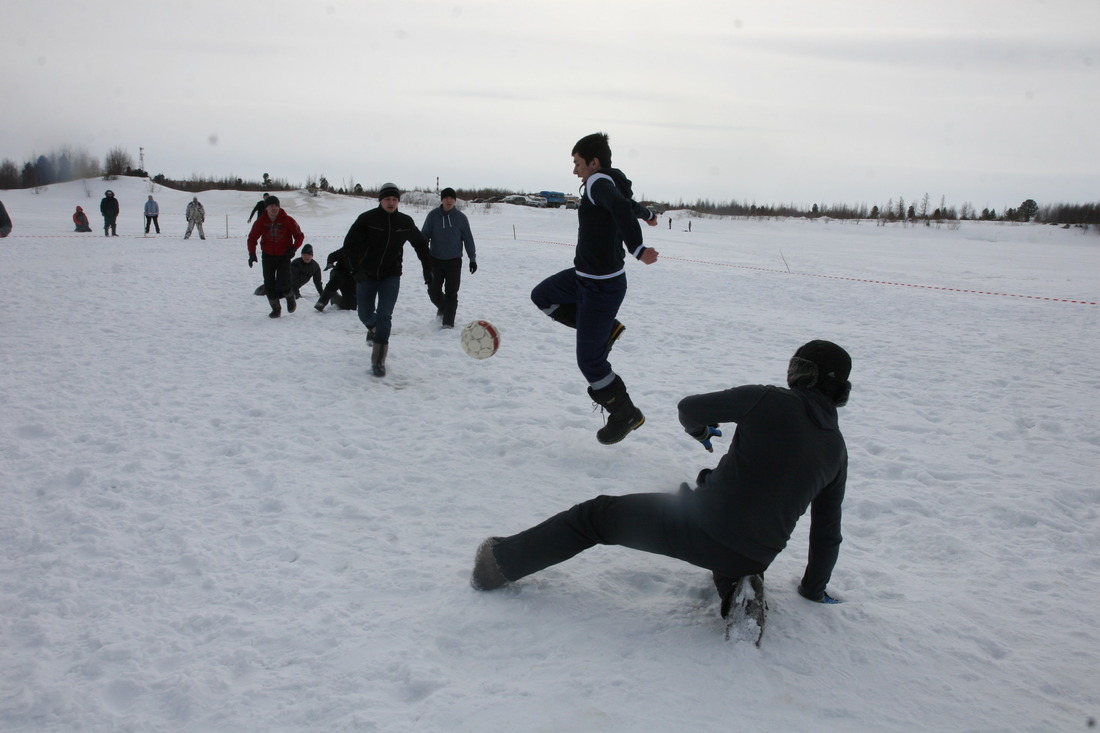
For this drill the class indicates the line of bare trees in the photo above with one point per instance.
(69, 164)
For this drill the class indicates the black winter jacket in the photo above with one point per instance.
(108, 206)
(786, 454)
(301, 273)
(374, 246)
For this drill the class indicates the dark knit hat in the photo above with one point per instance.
(271, 201)
(824, 366)
(448, 193)
(307, 249)
(389, 189)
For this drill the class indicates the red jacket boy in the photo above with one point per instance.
(279, 237)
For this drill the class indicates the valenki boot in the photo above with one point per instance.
(276, 309)
(378, 359)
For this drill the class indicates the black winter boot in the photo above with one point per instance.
(623, 416)
(378, 359)
(291, 303)
(276, 309)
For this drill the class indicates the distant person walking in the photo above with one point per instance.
(259, 207)
(80, 220)
(109, 208)
(587, 296)
(196, 215)
(447, 230)
(152, 212)
(5, 221)
(279, 237)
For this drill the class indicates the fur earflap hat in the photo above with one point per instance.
(824, 366)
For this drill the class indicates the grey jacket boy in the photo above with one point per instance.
(447, 233)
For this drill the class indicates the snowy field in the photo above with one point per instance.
(215, 521)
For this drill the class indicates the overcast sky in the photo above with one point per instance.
(772, 101)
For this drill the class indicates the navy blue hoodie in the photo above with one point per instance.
(607, 219)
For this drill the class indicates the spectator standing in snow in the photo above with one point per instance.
(447, 230)
(587, 296)
(258, 209)
(302, 270)
(5, 221)
(196, 215)
(80, 220)
(152, 213)
(109, 208)
(787, 455)
(374, 250)
(279, 237)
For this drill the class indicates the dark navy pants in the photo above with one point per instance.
(597, 303)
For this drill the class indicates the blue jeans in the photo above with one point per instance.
(378, 316)
(597, 303)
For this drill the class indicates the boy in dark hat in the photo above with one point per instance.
(302, 270)
(587, 296)
(448, 231)
(374, 251)
(108, 206)
(786, 455)
(279, 237)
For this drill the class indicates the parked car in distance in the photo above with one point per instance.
(515, 199)
(537, 201)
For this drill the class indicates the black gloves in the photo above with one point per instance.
(473, 267)
(251, 259)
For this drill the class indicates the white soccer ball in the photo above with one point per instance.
(480, 339)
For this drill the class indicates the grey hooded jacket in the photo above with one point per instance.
(447, 233)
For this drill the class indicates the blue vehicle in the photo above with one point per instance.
(554, 199)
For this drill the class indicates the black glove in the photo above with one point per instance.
(473, 267)
(251, 259)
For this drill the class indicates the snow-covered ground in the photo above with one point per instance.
(215, 521)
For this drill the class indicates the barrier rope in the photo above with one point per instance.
(855, 279)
